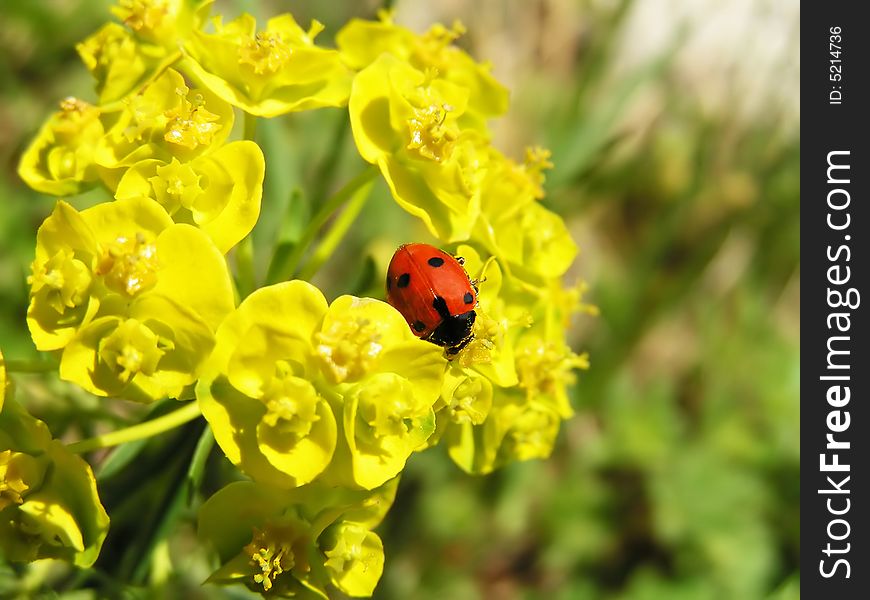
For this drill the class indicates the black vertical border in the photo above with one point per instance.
(828, 127)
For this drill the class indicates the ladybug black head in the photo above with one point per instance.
(454, 332)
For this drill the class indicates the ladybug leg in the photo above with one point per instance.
(452, 351)
(476, 282)
(460, 260)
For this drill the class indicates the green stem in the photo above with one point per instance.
(336, 233)
(250, 126)
(333, 203)
(327, 167)
(182, 415)
(29, 366)
(245, 278)
(196, 469)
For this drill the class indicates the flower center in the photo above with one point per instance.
(143, 16)
(469, 403)
(129, 265)
(74, 118)
(271, 553)
(19, 473)
(265, 53)
(65, 279)
(430, 137)
(133, 348)
(291, 405)
(488, 336)
(176, 184)
(386, 406)
(348, 348)
(545, 368)
(189, 124)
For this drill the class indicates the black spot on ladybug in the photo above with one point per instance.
(419, 326)
(468, 298)
(435, 261)
(440, 305)
(404, 280)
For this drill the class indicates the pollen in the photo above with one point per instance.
(142, 16)
(190, 124)
(74, 117)
(71, 106)
(265, 53)
(129, 264)
(348, 348)
(270, 553)
(429, 134)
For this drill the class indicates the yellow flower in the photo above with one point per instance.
(115, 60)
(514, 226)
(219, 192)
(505, 394)
(60, 159)
(162, 22)
(270, 72)
(131, 298)
(362, 42)
(409, 123)
(297, 390)
(164, 119)
(294, 543)
(49, 507)
(354, 558)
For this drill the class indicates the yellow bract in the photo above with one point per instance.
(505, 394)
(297, 390)
(362, 42)
(131, 298)
(408, 122)
(269, 72)
(219, 192)
(294, 543)
(161, 23)
(163, 120)
(60, 160)
(48, 496)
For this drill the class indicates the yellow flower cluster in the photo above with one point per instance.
(49, 506)
(320, 404)
(418, 107)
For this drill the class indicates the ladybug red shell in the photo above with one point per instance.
(434, 294)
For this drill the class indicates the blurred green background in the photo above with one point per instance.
(674, 127)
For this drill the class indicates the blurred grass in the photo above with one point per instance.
(678, 477)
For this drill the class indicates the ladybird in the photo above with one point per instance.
(435, 295)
